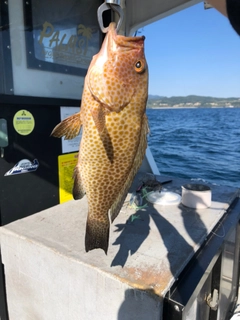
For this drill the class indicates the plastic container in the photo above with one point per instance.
(165, 198)
(197, 196)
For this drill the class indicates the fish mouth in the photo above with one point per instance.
(114, 43)
(123, 42)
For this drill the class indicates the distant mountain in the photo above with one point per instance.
(155, 97)
(155, 101)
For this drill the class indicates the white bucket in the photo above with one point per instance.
(197, 196)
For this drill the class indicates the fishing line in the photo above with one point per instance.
(222, 236)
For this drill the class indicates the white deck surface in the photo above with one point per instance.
(50, 276)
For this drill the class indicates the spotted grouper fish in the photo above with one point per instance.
(115, 127)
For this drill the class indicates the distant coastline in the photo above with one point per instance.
(192, 101)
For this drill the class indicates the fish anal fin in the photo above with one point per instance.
(78, 188)
(98, 116)
(117, 205)
(68, 128)
(97, 234)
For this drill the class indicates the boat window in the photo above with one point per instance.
(52, 44)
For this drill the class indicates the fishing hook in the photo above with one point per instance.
(116, 7)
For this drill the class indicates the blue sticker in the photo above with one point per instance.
(23, 166)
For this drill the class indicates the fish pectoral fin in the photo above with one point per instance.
(97, 234)
(114, 96)
(117, 205)
(98, 116)
(78, 187)
(69, 127)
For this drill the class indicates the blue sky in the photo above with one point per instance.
(194, 51)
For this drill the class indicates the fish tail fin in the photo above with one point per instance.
(68, 128)
(97, 234)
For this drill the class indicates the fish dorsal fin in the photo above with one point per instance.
(109, 90)
(68, 128)
(117, 205)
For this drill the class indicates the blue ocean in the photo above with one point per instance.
(198, 143)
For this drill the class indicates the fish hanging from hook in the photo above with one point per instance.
(114, 5)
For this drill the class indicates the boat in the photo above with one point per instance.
(166, 261)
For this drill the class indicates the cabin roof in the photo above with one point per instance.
(141, 12)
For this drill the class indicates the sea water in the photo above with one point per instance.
(197, 143)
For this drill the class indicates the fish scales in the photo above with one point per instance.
(114, 134)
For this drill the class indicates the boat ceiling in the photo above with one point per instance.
(139, 13)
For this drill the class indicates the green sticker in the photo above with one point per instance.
(23, 122)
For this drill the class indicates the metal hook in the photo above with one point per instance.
(115, 6)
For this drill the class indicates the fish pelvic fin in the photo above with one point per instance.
(97, 234)
(98, 116)
(117, 205)
(68, 128)
(78, 187)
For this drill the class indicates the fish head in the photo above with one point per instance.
(119, 71)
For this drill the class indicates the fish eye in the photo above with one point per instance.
(139, 66)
